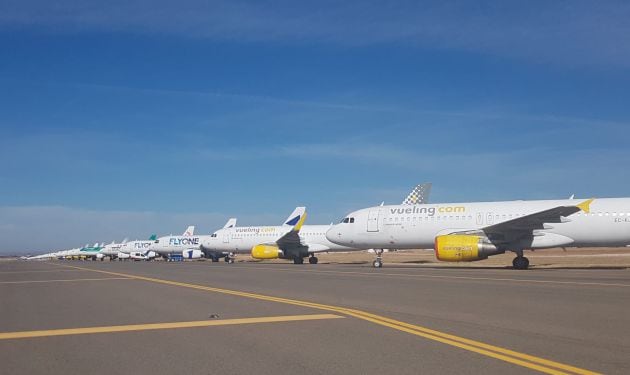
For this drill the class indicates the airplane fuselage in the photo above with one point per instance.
(409, 227)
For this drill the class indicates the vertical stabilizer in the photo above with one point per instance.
(419, 194)
(190, 231)
(230, 223)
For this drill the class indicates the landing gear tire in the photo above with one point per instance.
(520, 263)
(229, 260)
(378, 263)
(298, 260)
(313, 260)
(214, 259)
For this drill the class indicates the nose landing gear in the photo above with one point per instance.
(313, 259)
(378, 262)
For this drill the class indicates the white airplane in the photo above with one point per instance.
(270, 243)
(113, 248)
(463, 232)
(145, 246)
(292, 240)
(186, 245)
(134, 246)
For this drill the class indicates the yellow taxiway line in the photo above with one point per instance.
(156, 326)
(65, 280)
(503, 354)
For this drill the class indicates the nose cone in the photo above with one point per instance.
(335, 234)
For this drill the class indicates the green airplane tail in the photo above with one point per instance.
(153, 237)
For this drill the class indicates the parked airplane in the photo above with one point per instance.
(283, 242)
(186, 245)
(92, 252)
(113, 248)
(136, 246)
(462, 232)
(293, 240)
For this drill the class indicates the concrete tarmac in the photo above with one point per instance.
(215, 318)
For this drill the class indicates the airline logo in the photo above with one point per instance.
(293, 221)
(141, 245)
(255, 230)
(428, 211)
(183, 241)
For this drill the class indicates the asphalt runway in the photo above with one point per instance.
(214, 318)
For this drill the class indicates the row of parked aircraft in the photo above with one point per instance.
(458, 232)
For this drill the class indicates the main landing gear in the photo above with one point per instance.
(313, 259)
(520, 262)
(298, 260)
(378, 262)
(229, 259)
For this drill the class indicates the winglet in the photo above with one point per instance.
(297, 218)
(230, 223)
(586, 205)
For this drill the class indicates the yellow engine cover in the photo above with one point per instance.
(265, 252)
(457, 248)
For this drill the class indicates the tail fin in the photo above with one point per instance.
(297, 218)
(230, 223)
(190, 231)
(153, 237)
(419, 194)
(95, 245)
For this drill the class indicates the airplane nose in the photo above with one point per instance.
(334, 234)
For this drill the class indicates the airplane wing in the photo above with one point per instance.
(512, 230)
(293, 224)
(419, 194)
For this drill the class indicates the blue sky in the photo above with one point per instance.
(122, 119)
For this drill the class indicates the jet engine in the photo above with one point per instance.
(192, 254)
(151, 254)
(266, 252)
(99, 256)
(464, 248)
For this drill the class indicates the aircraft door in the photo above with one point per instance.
(490, 218)
(226, 237)
(372, 223)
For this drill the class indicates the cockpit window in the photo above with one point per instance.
(352, 220)
(345, 220)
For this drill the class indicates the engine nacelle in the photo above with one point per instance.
(99, 256)
(192, 254)
(266, 252)
(122, 255)
(464, 248)
(151, 254)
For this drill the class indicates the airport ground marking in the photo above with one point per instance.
(378, 273)
(65, 280)
(37, 271)
(521, 359)
(159, 326)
